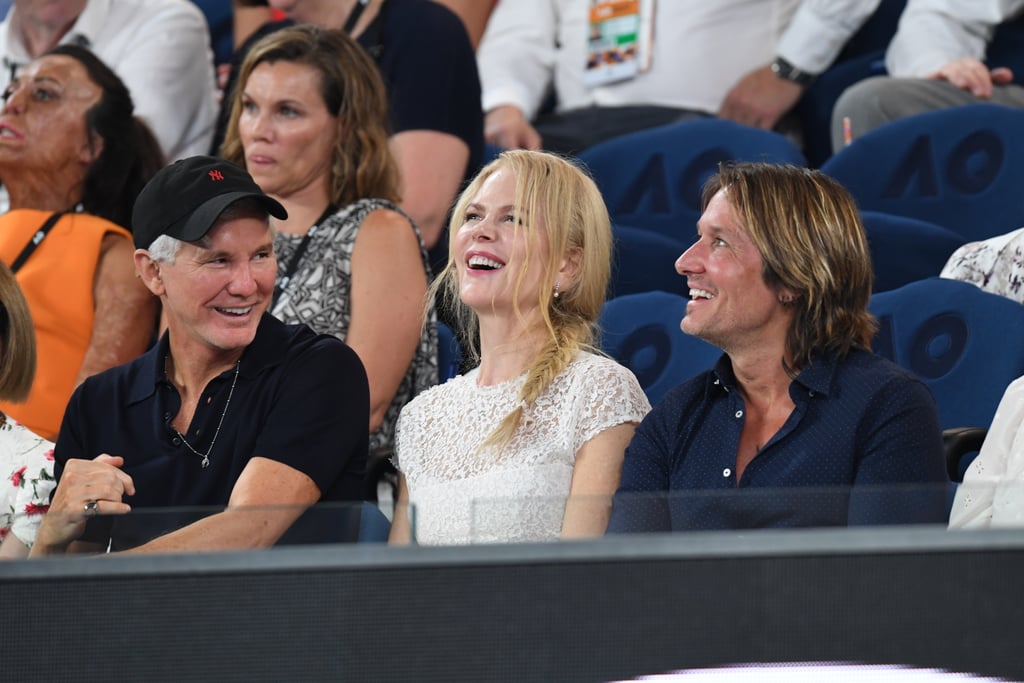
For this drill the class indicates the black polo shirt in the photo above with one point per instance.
(300, 398)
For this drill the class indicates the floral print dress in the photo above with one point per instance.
(26, 464)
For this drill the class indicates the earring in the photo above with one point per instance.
(788, 299)
(557, 283)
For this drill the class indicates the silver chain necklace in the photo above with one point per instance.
(206, 456)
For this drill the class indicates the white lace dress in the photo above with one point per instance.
(463, 493)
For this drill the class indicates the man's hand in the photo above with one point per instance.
(760, 99)
(971, 75)
(506, 126)
(87, 488)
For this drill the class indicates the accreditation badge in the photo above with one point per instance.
(619, 45)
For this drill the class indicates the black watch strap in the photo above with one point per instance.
(788, 72)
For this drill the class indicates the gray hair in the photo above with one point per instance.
(164, 249)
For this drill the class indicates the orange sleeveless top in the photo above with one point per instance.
(58, 281)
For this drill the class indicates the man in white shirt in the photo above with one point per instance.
(936, 60)
(745, 60)
(159, 48)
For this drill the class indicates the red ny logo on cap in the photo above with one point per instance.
(216, 175)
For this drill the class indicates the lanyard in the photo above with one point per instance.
(36, 240)
(300, 251)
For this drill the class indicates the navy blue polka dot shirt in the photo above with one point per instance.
(862, 440)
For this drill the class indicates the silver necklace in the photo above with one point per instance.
(206, 456)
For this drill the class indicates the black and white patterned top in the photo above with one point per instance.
(318, 294)
(995, 265)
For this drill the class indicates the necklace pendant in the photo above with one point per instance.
(206, 461)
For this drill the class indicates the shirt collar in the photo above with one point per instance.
(264, 352)
(817, 377)
(84, 32)
(88, 27)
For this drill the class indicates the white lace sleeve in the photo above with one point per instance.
(992, 492)
(606, 394)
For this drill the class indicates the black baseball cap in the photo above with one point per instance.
(185, 199)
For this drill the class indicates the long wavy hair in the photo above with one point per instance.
(129, 155)
(809, 233)
(353, 93)
(556, 196)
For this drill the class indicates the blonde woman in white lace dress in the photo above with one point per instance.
(528, 445)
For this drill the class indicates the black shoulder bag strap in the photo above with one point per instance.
(37, 238)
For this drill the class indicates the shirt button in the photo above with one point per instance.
(726, 472)
(811, 393)
(739, 413)
(176, 441)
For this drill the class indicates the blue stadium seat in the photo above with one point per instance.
(644, 262)
(963, 342)
(961, 168)
(374, 526)
(449, 353)
(641, 331)
(652, 179)
(220, 18)
(816, 104)
(861, 57)
(904, 250)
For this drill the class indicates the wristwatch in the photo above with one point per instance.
(788, 72)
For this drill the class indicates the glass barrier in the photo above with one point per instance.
(205, 528)
(450, 520)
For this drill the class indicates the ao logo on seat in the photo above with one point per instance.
(972, 166)
(652, 183)
(646, 352)
(937, 346)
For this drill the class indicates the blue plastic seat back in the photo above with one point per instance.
(645, 262)
(641, 331)
(652, 179)
(861, 57)
(220, 18)
(963, 342)
(449, 353)
(961, 168)
(904, 250)
(374, 526)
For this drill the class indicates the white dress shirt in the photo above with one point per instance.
(933, 33)
(701, 49)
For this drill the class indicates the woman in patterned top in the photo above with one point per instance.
(26, 460)
(308, 121)
(527, 446)
(995, 265)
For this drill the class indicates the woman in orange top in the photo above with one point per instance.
(70, 147)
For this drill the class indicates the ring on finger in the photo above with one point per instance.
(91, 508)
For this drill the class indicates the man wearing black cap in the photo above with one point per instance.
(231, 407)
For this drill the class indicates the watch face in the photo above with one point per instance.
(785, 70)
